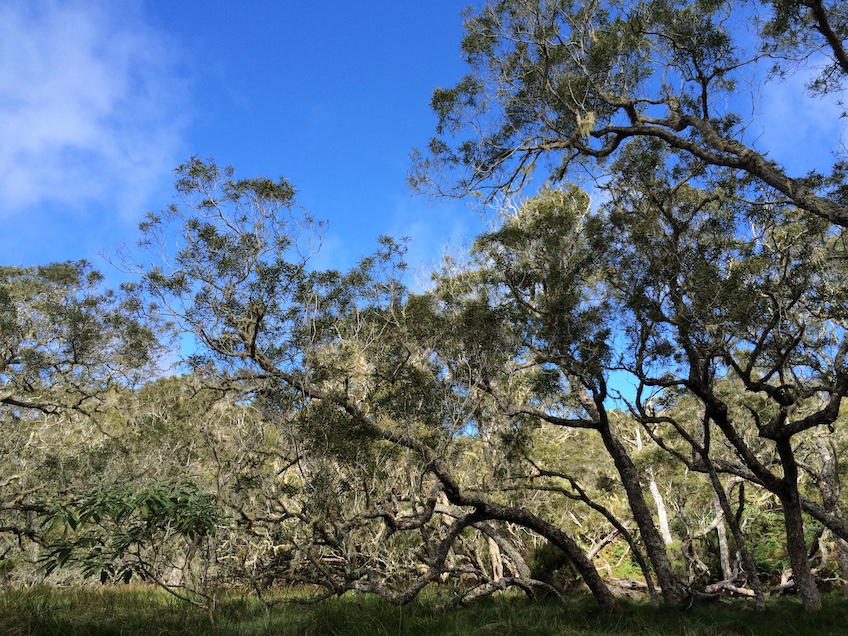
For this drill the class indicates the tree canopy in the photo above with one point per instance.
(65, 343)
(565, 86)
(619, 393)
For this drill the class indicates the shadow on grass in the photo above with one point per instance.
(136, 611)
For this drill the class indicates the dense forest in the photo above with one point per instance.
(630, 384)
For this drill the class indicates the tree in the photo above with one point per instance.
(537, 301)
(66, 344)
(710, 301)
(642, 95)
(67, 349)
(662, 285)
(567, 85)
(330, 352)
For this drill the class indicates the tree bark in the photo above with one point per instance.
(497, 561)
(662, 514)
(654, 545)
(797, 549)
(842, 560)
(723, 549)
(828, 482)
(796, 545)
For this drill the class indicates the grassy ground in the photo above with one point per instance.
(138, 611)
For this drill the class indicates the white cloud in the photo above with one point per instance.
(800, 131)
(433, 230)
(91, 109)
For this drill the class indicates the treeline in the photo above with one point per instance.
(545, 413)
(639, 393)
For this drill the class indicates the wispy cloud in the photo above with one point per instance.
(433, 230)
(91, 108)
(799, 130)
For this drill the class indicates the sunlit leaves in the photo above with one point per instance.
(562, 86)
(64, 341)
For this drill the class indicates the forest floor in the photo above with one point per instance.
(135, 611)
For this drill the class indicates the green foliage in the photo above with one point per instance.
(566, 85)
(552, 566)
(539, 276)
(621, 561)
(7, 566)
(64, 342)
(769, 543)
(107, 530)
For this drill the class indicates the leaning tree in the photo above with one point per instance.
(644, 97)
(341, 361)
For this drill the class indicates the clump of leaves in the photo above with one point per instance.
(106, 531)
(552, 566)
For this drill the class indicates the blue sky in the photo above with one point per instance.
(99, 101)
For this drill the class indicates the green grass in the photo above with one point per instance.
(139, 611)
